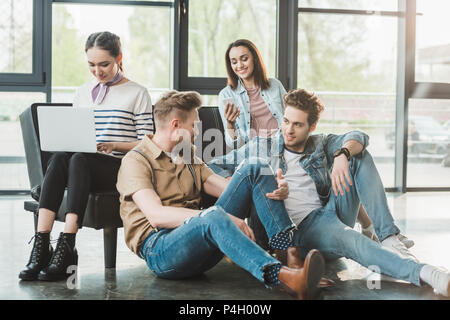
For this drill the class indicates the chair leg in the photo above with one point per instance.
(36, 217)
(110, 246)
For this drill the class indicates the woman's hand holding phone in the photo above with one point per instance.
(231, 112)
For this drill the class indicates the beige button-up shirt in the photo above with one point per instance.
(172, 181)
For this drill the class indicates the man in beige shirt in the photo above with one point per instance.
(160, 184)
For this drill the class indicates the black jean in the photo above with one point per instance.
(81, 173)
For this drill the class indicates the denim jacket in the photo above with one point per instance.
(317, 159)
(273, 97)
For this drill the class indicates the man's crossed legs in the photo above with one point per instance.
(330, 230)
(201, 242)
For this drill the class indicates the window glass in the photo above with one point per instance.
(145, 34)
(385, 5)
(13, 169)
(353, 70)
(432, 43)
(429, 143)
(16, 36)
(214, 24)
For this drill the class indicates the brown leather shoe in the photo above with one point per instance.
(303, 283)
(289, 257)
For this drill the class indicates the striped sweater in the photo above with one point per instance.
(125, 115)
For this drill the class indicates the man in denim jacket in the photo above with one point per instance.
(329, 176)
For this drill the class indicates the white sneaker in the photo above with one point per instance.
(439, 279)
(393, 244)
(407, 242)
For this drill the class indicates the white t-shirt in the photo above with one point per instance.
(125, 115)
(303, 197)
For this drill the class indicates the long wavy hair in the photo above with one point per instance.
(259, 70)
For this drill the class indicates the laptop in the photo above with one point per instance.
(67, 129)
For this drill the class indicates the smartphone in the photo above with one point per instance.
(228, 100)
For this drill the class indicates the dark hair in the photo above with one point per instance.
(181, 102)
(107, 41)
(259, 70)
(306, 101)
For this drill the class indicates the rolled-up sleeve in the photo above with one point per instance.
(357, 135)
(335, 142)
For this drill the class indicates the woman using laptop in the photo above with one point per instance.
(251, 104)
(122, 118)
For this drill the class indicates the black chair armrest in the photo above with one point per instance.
(31, 206)
(32, 148)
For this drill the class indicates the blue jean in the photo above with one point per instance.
(369, 190)
(330, 229)
(200, 243)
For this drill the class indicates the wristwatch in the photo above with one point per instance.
(340, 151)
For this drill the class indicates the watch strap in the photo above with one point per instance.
(344, 151)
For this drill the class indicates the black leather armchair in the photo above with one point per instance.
(102, 210)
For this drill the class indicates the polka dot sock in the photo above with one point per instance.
(281, 240)
(271, 275)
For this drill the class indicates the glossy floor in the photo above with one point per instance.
(424, 217)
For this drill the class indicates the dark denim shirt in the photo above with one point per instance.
(317, 159)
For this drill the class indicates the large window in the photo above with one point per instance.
(428, 162)
(21, 43)
(20, 65)
(214, 24)
(390, 5)
(146, 37)
(13, 170)
(433, 41)
(429, 143)
(16, 36)
(352, 69)
(346, 51)
(208, 27)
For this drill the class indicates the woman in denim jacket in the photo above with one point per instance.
(251, 104)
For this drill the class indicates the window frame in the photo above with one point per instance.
(40, 80)
(424, 89)
(37, 78)
(407, 87)
(213, 85)
(400, 166)
(286, 63)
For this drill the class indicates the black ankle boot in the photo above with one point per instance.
(65, 255)
(40, 257)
